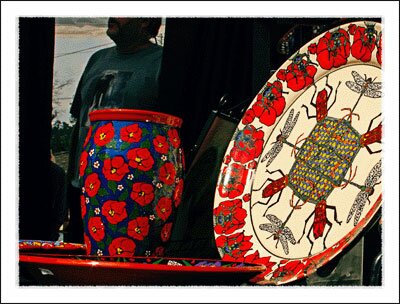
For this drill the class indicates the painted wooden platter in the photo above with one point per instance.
(301, 177)
(43, 246)
(64, 269)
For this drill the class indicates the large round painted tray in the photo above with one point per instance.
(63, 269)
(301, 175)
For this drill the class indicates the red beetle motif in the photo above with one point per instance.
(324, 159)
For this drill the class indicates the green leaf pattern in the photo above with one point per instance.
(122, 190)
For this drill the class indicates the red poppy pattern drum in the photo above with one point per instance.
(131, 173)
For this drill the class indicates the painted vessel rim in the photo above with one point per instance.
(136, 115)
(69, 261)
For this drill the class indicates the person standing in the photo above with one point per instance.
(123, 76)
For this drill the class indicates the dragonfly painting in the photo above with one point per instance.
(366, 191)
(281, 139)
(364, 86)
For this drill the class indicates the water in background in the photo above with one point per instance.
(71, 55)
(72, 51)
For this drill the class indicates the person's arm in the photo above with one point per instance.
(77, 100)
(74, 228)
(75, 113)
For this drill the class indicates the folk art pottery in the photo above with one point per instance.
(63, 263)
(131, 173)
(64, 269)
(301, 177)
(41, 246)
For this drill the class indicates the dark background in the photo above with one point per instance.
(204, 59)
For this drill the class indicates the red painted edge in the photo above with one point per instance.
(132, 266)
(136, 115)
(26, 245)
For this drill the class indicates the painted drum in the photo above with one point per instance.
(131, 174)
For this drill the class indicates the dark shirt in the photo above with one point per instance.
(115, 80)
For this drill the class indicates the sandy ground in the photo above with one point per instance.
(86, 30)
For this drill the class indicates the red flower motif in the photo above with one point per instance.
(142, 193)
(166, 232)
(255, 259)
(234, 246)
(122, 247)
(161, 144)
(229, 216)
(131, 133)
(115, 168)
(174, 138)
(83, 205)
(248, 117)
(333, 49)
(352, 29)
(138, 228)
(246, 197)
(88, 136)
(379, 52)
(233, 180)
(96, 228)
(298, 74)
(83, 163)
(92, 184)
(281, 74)
(177, 196)
(167, 173)
(43, 245)
(164, 208)
(114, 211)
(364, 42)
(288, 271)
(104, 134)
(312, 48)
(269, 105)
(248, 144)
(299, 78)
(159, 251)
(140, 158)
(227, 159)
(252, 165)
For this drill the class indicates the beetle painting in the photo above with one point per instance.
(322, 160)
(302, 174)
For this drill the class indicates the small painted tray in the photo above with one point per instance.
(301, 176)
(41, 246)
(62, 269)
